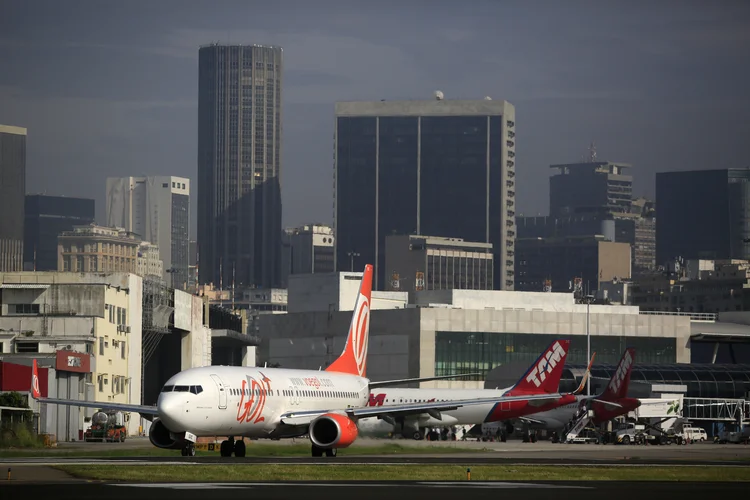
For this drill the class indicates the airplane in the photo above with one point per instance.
(256, 402)
(611, 403)
(542, 377)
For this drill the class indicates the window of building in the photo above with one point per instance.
(25, 308)
(27, 347)
(122, 350)
(101, 346)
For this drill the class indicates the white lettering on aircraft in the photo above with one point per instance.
(538, 373)
(616, 382)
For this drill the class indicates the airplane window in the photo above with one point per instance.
(167, 388)
(182, 388)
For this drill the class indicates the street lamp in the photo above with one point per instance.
(351, 260)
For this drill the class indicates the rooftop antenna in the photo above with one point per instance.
(592, 152)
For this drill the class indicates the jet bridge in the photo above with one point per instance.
(716, 410)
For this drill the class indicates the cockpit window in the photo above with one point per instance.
(195, 389)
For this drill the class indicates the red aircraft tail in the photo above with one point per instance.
(618, 384)
(35, 392)
(354, 358)
(543, 377)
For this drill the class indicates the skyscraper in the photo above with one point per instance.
(157, 209)
(239, 162)
(12, 196)
(437, 168)
(46, 218)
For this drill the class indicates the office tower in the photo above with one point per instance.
(12, 192)
(239, 161)
(306, 249)
(590, 187)
(442, 168)
(703, 214)
(157, 209)
(46, 218)
(98, 249)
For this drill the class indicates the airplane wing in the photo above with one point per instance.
(143, 410)
(533, 420)
(388, 383)
(389, 412)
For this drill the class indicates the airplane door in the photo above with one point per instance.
(291, 395)
(222, 392)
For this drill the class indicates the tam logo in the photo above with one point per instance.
(627, 360)
(549, 361)
(376, 400)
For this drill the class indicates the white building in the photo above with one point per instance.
(445, 332)
(305, 250)
(95, 314)
(149, 262)
(157, 209)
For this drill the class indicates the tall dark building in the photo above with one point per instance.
(597, 186)
(12, 192)
(441, 168)
(703, 214)
(46, 218)
(239, 162)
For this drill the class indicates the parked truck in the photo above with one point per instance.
(105, 428)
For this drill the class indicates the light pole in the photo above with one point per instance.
(588, 299)
(351, 260)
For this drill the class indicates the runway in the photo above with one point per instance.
(484, 490)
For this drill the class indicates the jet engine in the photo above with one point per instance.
(333, 430)
(161, 437)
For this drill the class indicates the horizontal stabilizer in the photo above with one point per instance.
(608, 404)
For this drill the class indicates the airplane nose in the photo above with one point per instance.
(171, 411)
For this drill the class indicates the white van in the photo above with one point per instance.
(694, 433)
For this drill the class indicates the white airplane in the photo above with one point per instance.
(542, 377)
(239, 401)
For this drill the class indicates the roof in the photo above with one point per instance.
(719, 331)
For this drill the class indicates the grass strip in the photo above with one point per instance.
(252, 450)
(374, 472)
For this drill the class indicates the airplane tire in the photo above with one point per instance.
(239, 448)
(316, 452)
(225, 449)
(331, 452)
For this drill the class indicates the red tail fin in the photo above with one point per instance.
(618, 384)
(35, 392)
(354, 358)
(544, 374)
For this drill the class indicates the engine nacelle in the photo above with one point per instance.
(333, 431)
(161, 437)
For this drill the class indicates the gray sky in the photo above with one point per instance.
(110, 88)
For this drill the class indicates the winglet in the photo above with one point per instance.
(543, 377)
(585, 375)
(35, 393)
(354, 358)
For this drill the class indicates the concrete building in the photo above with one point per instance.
(702, 214)
(157, 209)
(148, 262)
(305, 250)
(441, 167)
(239, 164)
(43, 313)
(416, 263)
(12, 192)
(46, 217)
(593, 259)
(595, 186)
(446, 332)
(97, 249)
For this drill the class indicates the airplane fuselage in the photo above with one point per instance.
(248, 401)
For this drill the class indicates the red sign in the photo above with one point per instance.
(17, 378)
(69, 361)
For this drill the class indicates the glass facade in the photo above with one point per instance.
(702, 380)
(180, 240)
(432, 175)
(12, 193)
(239, 163)
(480, 352)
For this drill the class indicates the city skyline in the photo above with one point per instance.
(628, 91)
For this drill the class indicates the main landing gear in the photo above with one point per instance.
(188, 450)
(230, 446)
(318, 452)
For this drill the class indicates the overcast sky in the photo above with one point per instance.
(110, 88)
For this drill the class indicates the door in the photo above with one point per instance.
(222, 392)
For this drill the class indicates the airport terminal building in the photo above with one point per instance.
(447, 332)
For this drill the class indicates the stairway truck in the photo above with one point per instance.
(105, 428)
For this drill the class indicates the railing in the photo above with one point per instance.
(693, 316)
(716, 409)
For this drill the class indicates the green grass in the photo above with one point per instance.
(253, 450)
(372, 472)
(20, 436)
